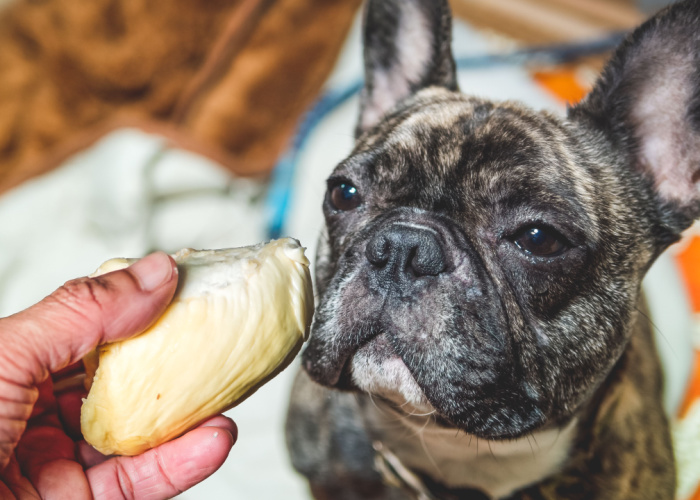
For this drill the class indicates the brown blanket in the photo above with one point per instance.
(227, 78)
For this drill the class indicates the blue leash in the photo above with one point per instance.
(280, 193)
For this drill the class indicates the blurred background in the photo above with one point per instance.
(129, 126)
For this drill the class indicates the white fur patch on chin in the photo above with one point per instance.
(388, 378)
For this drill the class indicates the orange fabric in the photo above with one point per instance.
(689, 262)
(563, 83)
(230, 77)
(693, 392)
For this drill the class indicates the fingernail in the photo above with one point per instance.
(225, 432)
(153, 271)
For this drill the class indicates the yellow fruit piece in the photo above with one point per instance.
(238, 318)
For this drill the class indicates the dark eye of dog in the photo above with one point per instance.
(540, 241)
(345, 197)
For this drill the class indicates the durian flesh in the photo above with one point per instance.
(238, 318)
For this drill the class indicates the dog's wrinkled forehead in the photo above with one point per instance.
(448, 152)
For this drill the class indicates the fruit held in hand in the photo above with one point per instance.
(238, 318)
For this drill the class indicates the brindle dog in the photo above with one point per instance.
(478, 332)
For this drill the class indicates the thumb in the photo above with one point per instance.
(84, 313)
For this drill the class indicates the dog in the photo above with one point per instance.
(480, 330)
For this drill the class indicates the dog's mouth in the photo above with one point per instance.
(375, 368)
(343, 379)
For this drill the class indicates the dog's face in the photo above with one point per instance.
(481, 259)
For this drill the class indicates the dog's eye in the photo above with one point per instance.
(540, 241)
(345, 197)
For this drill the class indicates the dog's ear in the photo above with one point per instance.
(407, 48)
(647, 102)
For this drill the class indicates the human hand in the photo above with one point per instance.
(41, 451)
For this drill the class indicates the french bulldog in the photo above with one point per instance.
(480, 330)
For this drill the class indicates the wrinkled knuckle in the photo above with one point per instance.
(11, 431)
(8, 440)
(126, 486)
(80, 294)
(164, 476)
(129, 275)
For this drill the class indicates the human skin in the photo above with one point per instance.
(42, 454)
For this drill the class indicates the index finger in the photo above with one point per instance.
(169, 469)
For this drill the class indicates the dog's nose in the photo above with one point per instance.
(406, 252)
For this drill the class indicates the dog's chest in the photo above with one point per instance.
(457, 460)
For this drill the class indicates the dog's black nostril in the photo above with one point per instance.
(406, 252)
(377, 251)
(429, 259)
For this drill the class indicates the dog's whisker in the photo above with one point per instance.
(431, 459)
(534, 438)
(532, 449)
(658, 330)
(495, 458)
